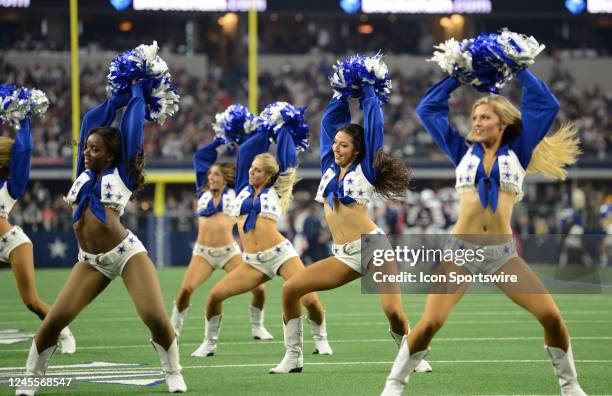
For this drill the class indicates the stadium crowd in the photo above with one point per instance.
(204, 96)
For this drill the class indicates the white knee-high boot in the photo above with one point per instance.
(212, 328)
(36, 365)
(258, 330)
(319, 336)
(67, 341)
(403, 365)
(178, 318)
(170, 364)
(564, 368)
(423, 366)
(293, 361)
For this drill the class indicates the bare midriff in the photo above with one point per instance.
(215, 231)
(348, 223)
(263, 236)
(96, 237)
(476, 220)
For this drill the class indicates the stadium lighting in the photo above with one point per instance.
(125, 26)
(426, 7)
(15, 3)
(575, 6)
(229, 22)
(599, 6)
(199, 5)
(365, 28)
(445, 22)
(350, 6)
(121, 5)
(457, 20)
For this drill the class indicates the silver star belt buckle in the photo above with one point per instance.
(268, 255)
(216, 252)
(107, 258)
(352, 247)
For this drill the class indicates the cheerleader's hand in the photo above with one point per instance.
(218, 141)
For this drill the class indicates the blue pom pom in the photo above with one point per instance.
(488, 61)
(491, 68)
(278, 114)
(143, 64)
(17, 104)
(353, 72)
(235, 125)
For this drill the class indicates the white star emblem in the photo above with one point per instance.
(58, 248)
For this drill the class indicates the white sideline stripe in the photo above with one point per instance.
(245, 365)
(333, 324)
(388, 340)
(148, 370)
(388, 362)
(90, 365)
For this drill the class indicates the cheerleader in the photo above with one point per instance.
(353, 167)
(264, 184)
(502, 145)
(110, 170)
(15, 246)
(215, 247)
(17, 106)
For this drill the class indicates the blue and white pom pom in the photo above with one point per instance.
(488, 61)
(143, 64)
(277, 114)
(235, 124)
(19, 103)
(350, 75)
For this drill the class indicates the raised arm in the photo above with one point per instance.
(374, 131)
(203, 159)
(539, 107)
(336, 115)
(433, 113)
(257, 144)
(286, 154)
(132, 136)
(101, 115)
(19, 164)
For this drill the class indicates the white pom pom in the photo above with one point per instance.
(377, 66)
(449, 55)
(520, 48)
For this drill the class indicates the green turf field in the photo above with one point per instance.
(489, 346)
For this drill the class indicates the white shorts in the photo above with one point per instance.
(111, 263)
(495, 256)
(350, 252)
(270, 260)
(9, 241)
(217, 257)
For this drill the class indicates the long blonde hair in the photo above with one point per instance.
(282, 182)
(552, 154)
(6, 147)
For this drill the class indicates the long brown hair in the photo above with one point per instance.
(394, 176)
